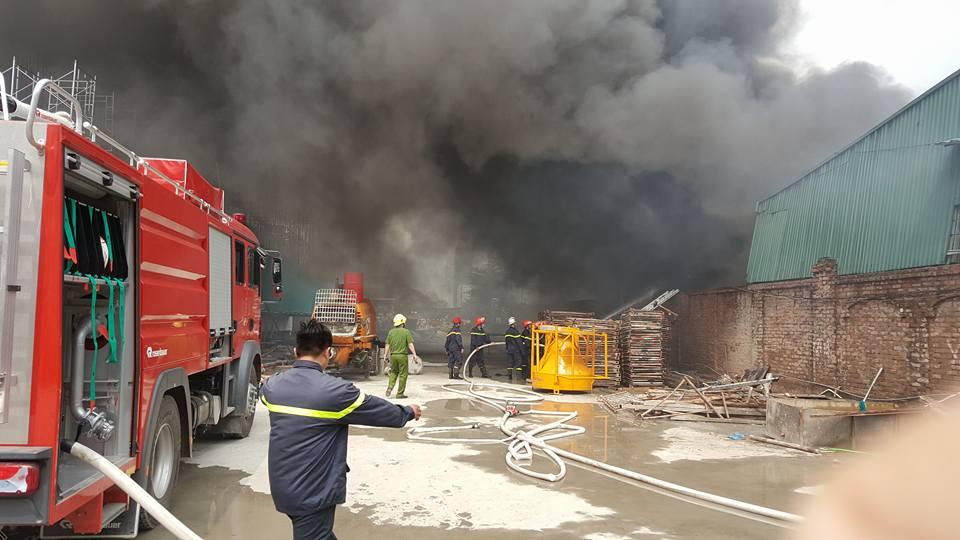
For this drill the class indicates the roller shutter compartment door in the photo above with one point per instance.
(221, 284)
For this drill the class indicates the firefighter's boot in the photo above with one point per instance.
(451, 374)
(456, 373)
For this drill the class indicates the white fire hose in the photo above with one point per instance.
(128, 485)
(522, 442)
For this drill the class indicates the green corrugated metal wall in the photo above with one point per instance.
(884, 203)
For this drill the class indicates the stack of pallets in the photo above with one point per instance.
(589, 322)
(563, 318)
(645, 346)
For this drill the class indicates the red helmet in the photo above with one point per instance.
(479, 320)
(527, 323)
(457, 320)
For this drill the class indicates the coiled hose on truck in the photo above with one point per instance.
(521, 444)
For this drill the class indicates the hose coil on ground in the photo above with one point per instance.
(522, 442)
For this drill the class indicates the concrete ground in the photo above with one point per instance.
(408, 489)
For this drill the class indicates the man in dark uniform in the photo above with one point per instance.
(454, 348)
(309, 416)
(512, 340)
(478, 337)
(526, 341)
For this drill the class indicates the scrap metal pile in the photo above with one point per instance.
(725, 400)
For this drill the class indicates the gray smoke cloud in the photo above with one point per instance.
(591, 148)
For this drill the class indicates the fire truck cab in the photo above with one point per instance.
(130, 321)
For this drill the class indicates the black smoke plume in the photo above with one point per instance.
(592, 149)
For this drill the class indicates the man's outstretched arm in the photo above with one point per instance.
(378, 412)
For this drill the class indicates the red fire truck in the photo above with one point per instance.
(130, 320)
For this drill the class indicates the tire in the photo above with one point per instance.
(376, 363)
(238, 426)
(163, 470)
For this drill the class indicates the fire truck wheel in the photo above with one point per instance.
(161, 476)
(238, 427)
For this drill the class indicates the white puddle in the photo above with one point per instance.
(684, 443)
(423, 485)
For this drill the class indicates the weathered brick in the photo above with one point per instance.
(834, 329)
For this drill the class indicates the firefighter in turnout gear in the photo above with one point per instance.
(526, 342)
(454, 348)
(310, 412)
(478, 337)
(513, 341)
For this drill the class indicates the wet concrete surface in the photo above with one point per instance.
(408, 489)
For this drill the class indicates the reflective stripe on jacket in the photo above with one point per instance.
(526, 340)
(309, 416)
(478, 337)
(511, 338)
(454, 342)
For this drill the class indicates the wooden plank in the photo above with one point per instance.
(698, 418)
(703, 397)
(775, 442)
(666, 397)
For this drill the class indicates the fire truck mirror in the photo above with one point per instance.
(277, 274)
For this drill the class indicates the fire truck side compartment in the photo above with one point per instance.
(114, 387)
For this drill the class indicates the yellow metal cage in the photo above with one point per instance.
(567, 359)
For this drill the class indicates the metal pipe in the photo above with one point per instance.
(130, 487)
(76, 372)
(872, 383)
(35, 106)
(97, 422)
(3, 97)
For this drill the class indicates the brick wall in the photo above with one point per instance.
(721, 322)
(832, 329)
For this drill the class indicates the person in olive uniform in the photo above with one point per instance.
(399, 345)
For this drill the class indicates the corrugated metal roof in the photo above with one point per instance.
(885, 202)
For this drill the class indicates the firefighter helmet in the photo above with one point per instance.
(457, 320)
(527, 323)
(479, 320)
(512, 321)
(399, 319)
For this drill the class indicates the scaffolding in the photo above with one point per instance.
(21, 78)
(564, 358)
(337, 308)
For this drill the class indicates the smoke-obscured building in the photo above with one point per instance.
(851, 268)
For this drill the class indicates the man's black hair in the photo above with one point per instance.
(313, 338)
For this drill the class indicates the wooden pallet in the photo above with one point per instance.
(646, 341)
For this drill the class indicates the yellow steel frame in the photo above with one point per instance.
(565, 358)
